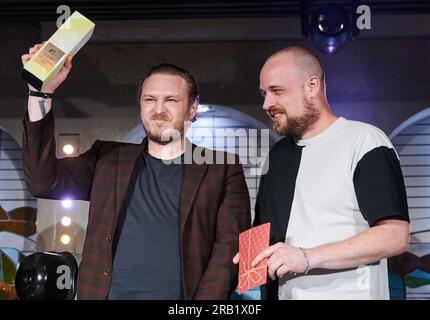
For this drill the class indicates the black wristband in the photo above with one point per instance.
(43, 95)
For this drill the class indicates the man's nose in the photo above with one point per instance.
(159, 107)
(268, 103)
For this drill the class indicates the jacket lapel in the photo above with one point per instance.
(127, 156)
(192, 176)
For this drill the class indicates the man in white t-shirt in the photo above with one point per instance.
(334, 191)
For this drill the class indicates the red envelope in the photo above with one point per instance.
(251, 243)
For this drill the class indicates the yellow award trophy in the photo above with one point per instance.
(67, 40)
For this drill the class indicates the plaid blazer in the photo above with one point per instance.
(215, 208)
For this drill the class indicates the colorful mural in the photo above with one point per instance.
(17, 215)
(410, 272)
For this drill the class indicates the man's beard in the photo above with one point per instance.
(297, 126)
(166, 135)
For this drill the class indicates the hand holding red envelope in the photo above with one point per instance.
(251, 243)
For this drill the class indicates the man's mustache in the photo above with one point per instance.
(277, 109)
(164, 117)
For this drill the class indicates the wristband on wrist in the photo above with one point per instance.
(43, 95)
(306, 259)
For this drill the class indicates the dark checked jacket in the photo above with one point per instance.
(214, 208)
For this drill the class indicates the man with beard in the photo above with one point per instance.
(334, 191)
(160, 226)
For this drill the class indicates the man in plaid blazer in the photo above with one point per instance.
(214, 201)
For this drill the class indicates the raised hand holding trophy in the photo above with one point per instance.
(67, 40)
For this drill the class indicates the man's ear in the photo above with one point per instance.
(312, 88)
(193, 109)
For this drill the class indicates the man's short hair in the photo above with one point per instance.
(308, 62)
(171, 69)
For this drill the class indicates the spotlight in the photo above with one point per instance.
(68, 145)
(65, 239)
(330, 25)
(66, 221)
(37, 276)
(68, 149)
(203, 108)
(67, 203)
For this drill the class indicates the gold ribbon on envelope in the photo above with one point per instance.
(247, 277)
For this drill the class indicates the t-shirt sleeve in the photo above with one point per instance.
(379, 186)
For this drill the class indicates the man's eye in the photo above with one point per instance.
(149, 100)
(172, 100)
(277, 91)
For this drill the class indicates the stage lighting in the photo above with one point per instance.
(68, 145)
(65, 239)
(66, 221)
(329, 25)
(203, 108)
(37, 277)
(68, 149)
(66, 203)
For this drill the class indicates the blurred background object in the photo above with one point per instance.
(47, 276)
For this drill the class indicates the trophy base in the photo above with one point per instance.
(32, 80)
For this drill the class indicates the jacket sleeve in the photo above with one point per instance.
(51, 178)
(220, 277)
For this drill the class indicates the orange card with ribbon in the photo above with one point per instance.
(251, 243)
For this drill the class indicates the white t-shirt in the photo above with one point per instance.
(348, 178)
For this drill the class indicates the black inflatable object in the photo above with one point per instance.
(38, 276)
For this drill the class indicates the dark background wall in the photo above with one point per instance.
(382, 77)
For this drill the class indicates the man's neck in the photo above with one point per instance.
(326, 120)
(166, 151)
